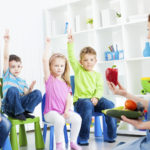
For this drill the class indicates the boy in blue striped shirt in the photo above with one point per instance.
(19, 99)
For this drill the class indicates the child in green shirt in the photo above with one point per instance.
(88, 92)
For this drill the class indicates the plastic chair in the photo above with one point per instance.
(22, 133)
(51, 143)
(97, 124)
(7, 145)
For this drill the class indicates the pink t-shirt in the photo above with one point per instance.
(56, 95)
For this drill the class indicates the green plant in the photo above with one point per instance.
(118, 14)
(89, 21)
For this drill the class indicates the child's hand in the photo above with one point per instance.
(32, 86)
(6, 36)
(66, 114)
(70, 38)
(48, 40)
(0, 119)
(94, 101)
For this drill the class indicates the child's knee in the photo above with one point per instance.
(38, 94)
(12, 90)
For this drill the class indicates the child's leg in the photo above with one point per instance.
(12, 104)
(5, 126)
(58, 121)
(103, 103)
(75, 121)
(30, 101)
(85, 108)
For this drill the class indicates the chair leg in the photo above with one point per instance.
(104, 128)
(44, 132)
(66, 135)
(51, 143)
(22, 135)
(13, 138)
(38, 136)
(97, 127)
(7, 145)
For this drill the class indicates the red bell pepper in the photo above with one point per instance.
(112, 74)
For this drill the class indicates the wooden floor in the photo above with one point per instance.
(95, 143)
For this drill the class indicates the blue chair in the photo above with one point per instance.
(97, 126)
(51, 144)
(7, 145)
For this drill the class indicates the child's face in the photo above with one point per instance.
(148, 28)
(15, 67)
(58, 67)
(88, 61)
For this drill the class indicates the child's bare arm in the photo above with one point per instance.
(27, 91)
(46, 59)
(68, 106)
(6, 50)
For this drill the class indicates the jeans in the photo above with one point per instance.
(14, 104)
(85, 108)
(5, 126)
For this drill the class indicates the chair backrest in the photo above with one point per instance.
(43, 106)
(72, 84)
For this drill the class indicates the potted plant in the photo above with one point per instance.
(89, 22)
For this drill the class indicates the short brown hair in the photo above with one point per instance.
(149, 18)
(15, 58)
(87, 50)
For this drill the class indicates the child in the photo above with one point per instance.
(144, 142)
(19, 100)
(88, 92)
(5, 126)
(58, 98)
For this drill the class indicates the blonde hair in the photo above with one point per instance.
(66, 74)
(87, 50)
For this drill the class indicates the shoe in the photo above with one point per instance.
(83, 142)
(74, 146)
(27, 115)
(110, 141)
(20, 117)
(59, 146)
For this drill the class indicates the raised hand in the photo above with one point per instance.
(70, 37)
(6, 36)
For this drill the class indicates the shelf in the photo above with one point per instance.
(132, 132)
(137, 59)
(111, 61)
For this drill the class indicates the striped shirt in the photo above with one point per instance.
(10, 80)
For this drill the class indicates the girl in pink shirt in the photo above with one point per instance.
(58, 98)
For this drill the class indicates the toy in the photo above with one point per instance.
(112, 74)
(146, 85)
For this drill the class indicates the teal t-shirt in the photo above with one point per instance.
(88, 84)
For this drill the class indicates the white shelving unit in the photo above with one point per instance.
(129, 32)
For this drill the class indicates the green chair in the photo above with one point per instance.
(22, 133)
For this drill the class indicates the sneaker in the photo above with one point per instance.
(59, 146)
(82, 142)
(27, 115)
(110, 141)
(20, 117)
(74, 146)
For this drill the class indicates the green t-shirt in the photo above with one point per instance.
(88, 84)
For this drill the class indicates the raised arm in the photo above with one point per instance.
(6, 51)
(46, 59)
(71, 56)
(122, 92)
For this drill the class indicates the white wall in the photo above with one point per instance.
(24, 19)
